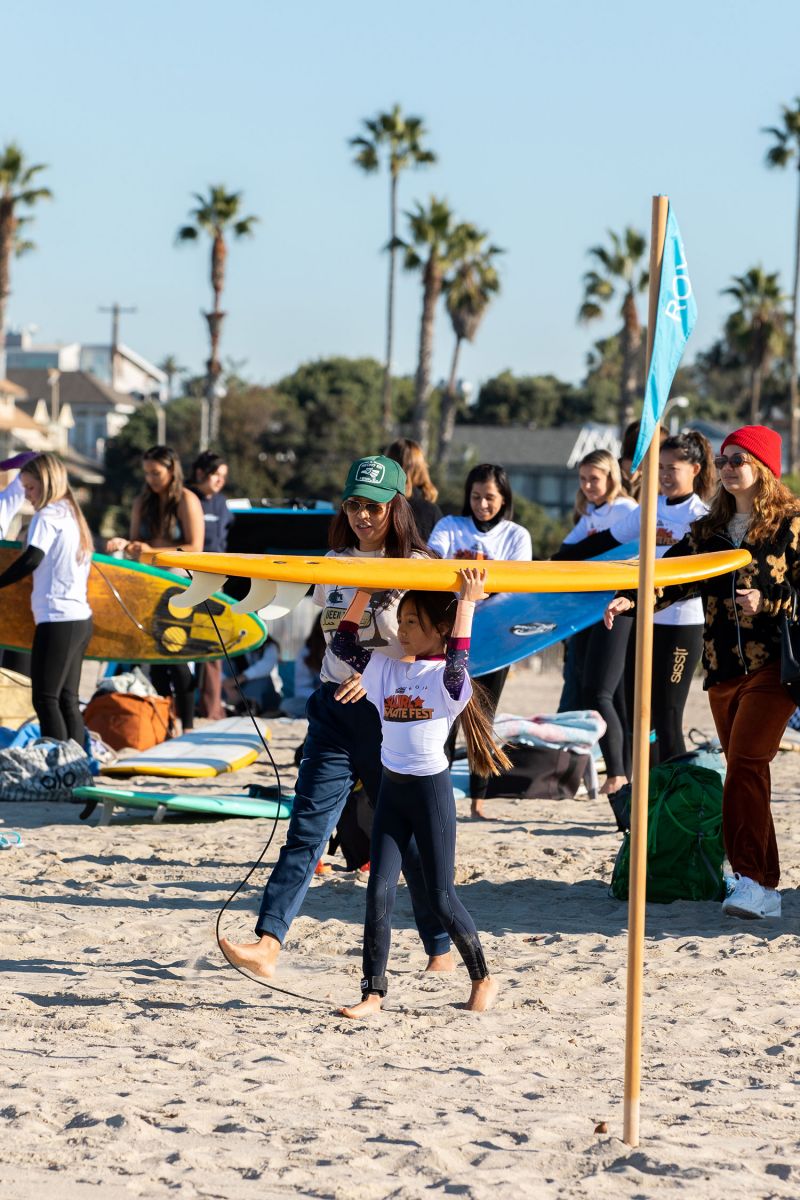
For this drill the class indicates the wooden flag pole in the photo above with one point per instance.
(641, 718)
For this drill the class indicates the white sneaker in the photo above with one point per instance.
(751, 901)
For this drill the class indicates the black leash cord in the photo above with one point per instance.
(250, 978)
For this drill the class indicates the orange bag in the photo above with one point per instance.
(124, 721)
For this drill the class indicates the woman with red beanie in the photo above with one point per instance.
(741, 648)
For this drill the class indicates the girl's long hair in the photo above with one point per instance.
(437, 610)
(693, 447)
(604, 461)
(51, 474)
(402, 536)
(412, 460)
(489, 473)
(772, 504)
(159, 516)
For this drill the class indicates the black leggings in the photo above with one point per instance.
(422, 807)
(492, 685)
(602, 668)
(56, 661)
(176, 679)
(676, 653)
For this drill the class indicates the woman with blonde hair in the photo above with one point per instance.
(58, 554)
(420, 491)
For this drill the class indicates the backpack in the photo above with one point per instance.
(684, 837)
(124, 720)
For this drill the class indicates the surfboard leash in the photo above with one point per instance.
(251, 978)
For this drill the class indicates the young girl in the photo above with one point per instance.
(418, 698)
(13, 494)
(59, 554)
(595, 661)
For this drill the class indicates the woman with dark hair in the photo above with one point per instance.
(420, 491)
(165, 515)
(209, 476)
(484, 529)
(343, 743)
(742, 649)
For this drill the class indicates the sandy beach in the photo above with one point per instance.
(136, 1063)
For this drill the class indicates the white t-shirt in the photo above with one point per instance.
(459, 537)
(416, 712)
(672, 522)
(11, 499)
(602, 518)
(377, 628)
(60, 581)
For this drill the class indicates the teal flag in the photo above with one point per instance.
(675, 320)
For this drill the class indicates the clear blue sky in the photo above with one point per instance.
(552, 124)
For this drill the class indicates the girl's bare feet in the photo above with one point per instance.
(365, 1008)
(476, 811)
(612, 785)
(441, 962)
(260, 958)
(483, 994)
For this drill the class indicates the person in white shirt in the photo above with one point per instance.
(484, 529)
(418, 699)
(12, 496)
(58, 554)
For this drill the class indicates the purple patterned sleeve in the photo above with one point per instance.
(455, 666)
(346, 646)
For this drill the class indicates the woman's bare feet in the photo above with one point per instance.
(476, 811)
(441, 962)
(260, 958)
(483, 994)
(369, 1005)
(612, 785)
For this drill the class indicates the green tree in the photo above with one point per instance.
(618, 273)
(757, 328)
(17, 192)
(397, 139)
(469, 289)
(533, 400)
(217, 215)
(437, 235)
(784, 149)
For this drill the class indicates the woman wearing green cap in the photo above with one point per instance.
(343, 743)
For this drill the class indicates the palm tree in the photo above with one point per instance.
(468, 293)
(758, 326)
(618, 272)
(433, 230)
(400, 138)
(216, 214)
(16, 190)
(172, 369)
(786, 147)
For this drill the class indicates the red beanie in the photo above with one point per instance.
(764, 444)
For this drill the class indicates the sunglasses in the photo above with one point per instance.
(731, 460)
(354, 507)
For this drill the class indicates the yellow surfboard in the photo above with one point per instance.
(278, 582)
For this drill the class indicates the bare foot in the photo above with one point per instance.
(476, 811)
(441, 962)
(612, 785)
(483, 994)
(369, 1005)
(260, 958)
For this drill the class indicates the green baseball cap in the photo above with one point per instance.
(375, 478)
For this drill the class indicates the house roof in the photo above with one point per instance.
(524, 446)
(75, 388)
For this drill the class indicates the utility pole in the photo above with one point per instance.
(115, 309)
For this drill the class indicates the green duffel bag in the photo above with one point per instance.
(684, 837)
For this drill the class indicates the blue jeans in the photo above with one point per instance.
(343, 745)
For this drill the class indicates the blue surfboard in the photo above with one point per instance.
(510, 627)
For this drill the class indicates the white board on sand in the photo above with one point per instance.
(221, 746)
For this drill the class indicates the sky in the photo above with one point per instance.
(552, 124)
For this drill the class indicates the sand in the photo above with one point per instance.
(135, 1063)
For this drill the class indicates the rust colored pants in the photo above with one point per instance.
(750, 713)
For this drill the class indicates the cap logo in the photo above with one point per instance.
(370, 472)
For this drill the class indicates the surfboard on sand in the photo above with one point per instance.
(160, 804)
(221, 746)
(133, 619)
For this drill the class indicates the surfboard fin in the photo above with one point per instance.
(202, 586)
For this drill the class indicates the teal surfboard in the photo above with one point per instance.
(162, 803)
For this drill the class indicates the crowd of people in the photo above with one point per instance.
(368, 650)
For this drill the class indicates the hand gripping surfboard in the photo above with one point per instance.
(279, 582)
